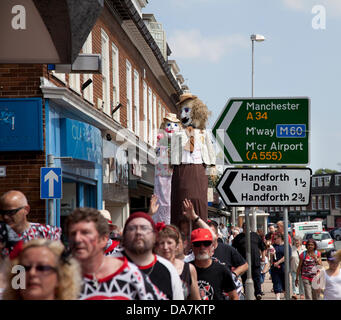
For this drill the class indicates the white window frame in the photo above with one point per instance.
(326, 181)
(160, 115)
(75, 82)
(304, 208)
(145, 112)
(313, 182)
(88, 92)
(319, 202)
(337, 180)
(313, 203)
(115, 81)
(129, 94)
(105, 72)
(326, 202)
(137, 102)
(154, 121)
(320, 181)
(337, 201)
(150, 124)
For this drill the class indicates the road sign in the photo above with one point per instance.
(262, 131)
(265, 187)
(50, 183)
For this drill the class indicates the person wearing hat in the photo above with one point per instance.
(330, 279)
(114, 238)
(192, 153)
(139, 237)
(213, 277)
(163, 169)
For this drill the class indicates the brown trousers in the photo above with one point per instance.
(189, 181)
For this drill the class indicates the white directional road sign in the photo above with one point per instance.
(264, 187)
(50, 183)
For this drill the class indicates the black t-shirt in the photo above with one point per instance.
(212, 281)
(228, 256)
(257, 245)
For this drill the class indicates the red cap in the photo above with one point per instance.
(139, 214)
(201, 234)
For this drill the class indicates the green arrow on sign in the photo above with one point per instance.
(264, 131)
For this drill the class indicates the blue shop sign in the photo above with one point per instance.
(80, 140)
(21, 124)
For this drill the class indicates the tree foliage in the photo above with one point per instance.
(324, 171)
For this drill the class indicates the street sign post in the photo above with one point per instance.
(265, 187)
(50, 183)
(259, 131)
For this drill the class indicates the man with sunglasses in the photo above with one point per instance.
(139, 237)
(14, 209)
(213, 277)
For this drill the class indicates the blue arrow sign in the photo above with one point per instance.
(50, 183)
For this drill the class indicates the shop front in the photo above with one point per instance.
(77, 149)
(115, 182)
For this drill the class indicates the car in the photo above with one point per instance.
(324, 241)
(336, 234)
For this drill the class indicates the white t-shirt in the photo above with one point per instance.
(332, 286)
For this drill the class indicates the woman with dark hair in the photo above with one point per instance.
(277, 265)
(307, 268)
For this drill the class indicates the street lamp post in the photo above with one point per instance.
(249, 286)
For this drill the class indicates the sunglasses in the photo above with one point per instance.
(198, 244)
(11, 212)
(40, 268)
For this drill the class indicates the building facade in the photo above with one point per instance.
(100, 128)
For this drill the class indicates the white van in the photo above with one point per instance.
(300, 228)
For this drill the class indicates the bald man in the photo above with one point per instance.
(14, 209)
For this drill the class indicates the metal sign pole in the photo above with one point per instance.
(51, 222)
(286, 254)
(249, 289)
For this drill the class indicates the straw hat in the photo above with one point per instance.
(106, 215)
(185, 97)
(171, 117)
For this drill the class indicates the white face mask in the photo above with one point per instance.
(171, 127)
(186, 119)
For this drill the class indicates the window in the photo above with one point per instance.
(313, 202)
(319, 202)
(154, 121)
(105, 72)
(326, 202)
(291, 208)
(320, 181)
(115, 82)
(136, 103)
(337, 201)
(74, 81)
(277, 209)
(145, 113)
(160, 115)
(304, 208)
(298, 209)
(129, 96)
(337, 180)
(150, 104)
(313, 182)
(327, 181)
(88, 91)
(271, 209)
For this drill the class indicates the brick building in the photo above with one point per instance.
(324, 203)
(102, 136)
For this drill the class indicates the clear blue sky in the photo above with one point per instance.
(210, 41)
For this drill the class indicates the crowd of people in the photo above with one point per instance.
(195, 260)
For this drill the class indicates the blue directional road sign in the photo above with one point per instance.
(50, 183)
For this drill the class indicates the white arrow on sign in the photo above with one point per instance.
(51, 176)
(222, 134)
